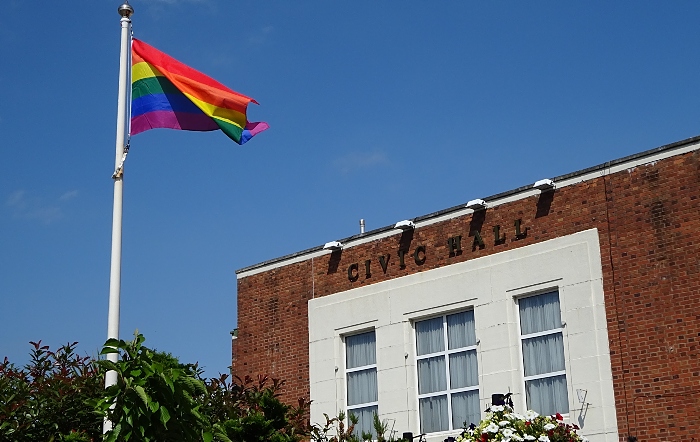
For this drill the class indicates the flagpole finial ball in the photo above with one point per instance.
(125, 10)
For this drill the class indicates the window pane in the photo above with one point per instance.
(365, 420)
(362, 386)
(460, 330)
(465, 408)
(433, 414)
(360, 350)
(431, 375)
(540, 313)
(547, 396)
(543, 354)
(429, 336)
(463, 369)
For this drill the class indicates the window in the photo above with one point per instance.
(448, 381)
(543, 354)
(361, 372)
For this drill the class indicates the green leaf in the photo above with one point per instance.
(168, 382)
(207, 437)
(142, 394)
(112, 342)
(108, 365)
(113, 434)
(221, 434)
(109, 350)
(154, 405)
(164, 416)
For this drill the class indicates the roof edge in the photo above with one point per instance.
(498, 196)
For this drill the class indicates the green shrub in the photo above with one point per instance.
(46, 400)
(60, 397)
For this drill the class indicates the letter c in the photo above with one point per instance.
(416, 255)
(353, 272)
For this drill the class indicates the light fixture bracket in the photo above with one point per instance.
(477, 204)
(405, 225)
(333, 245)
(544, 185)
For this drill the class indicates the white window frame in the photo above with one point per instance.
(537, 335)
(446, 354)
(350, 408)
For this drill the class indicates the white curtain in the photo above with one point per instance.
(547, 396)
(465, 409)
(429, 336)
(463, 369)
(540, 313)
(460, 330)
(543, 354)
(362, 386)
(431, 375)
(361, 350)
(433, 414)
(365, 420)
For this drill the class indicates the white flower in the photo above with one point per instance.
(504, 423)
(530, 415)
(492, 428)
(528, 437)
(543, 438)
(507, 432)
(496, 408)
(517, 416)
(550, 427)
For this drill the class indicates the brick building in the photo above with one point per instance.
(581, 298)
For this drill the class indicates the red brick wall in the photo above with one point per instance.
(648, 220)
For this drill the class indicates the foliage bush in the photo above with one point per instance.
(45, 400)
(154, 399)
(334, 430)
(60, 397)
(250, 411)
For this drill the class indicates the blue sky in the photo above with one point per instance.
(378, 110)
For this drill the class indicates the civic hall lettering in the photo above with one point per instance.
(454, 248)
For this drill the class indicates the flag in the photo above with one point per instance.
(170, 94)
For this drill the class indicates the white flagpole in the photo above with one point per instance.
(125, 10)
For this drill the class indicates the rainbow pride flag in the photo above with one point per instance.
(169, 94)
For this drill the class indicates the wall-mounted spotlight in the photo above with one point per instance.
(333, 245)
(405, 225)
(544, 185)
(476, 204)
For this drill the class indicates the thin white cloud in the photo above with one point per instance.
(68, 195)
(360, 160)
(24, 206)
(224, 59)
(260, 37)
(16, 199)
